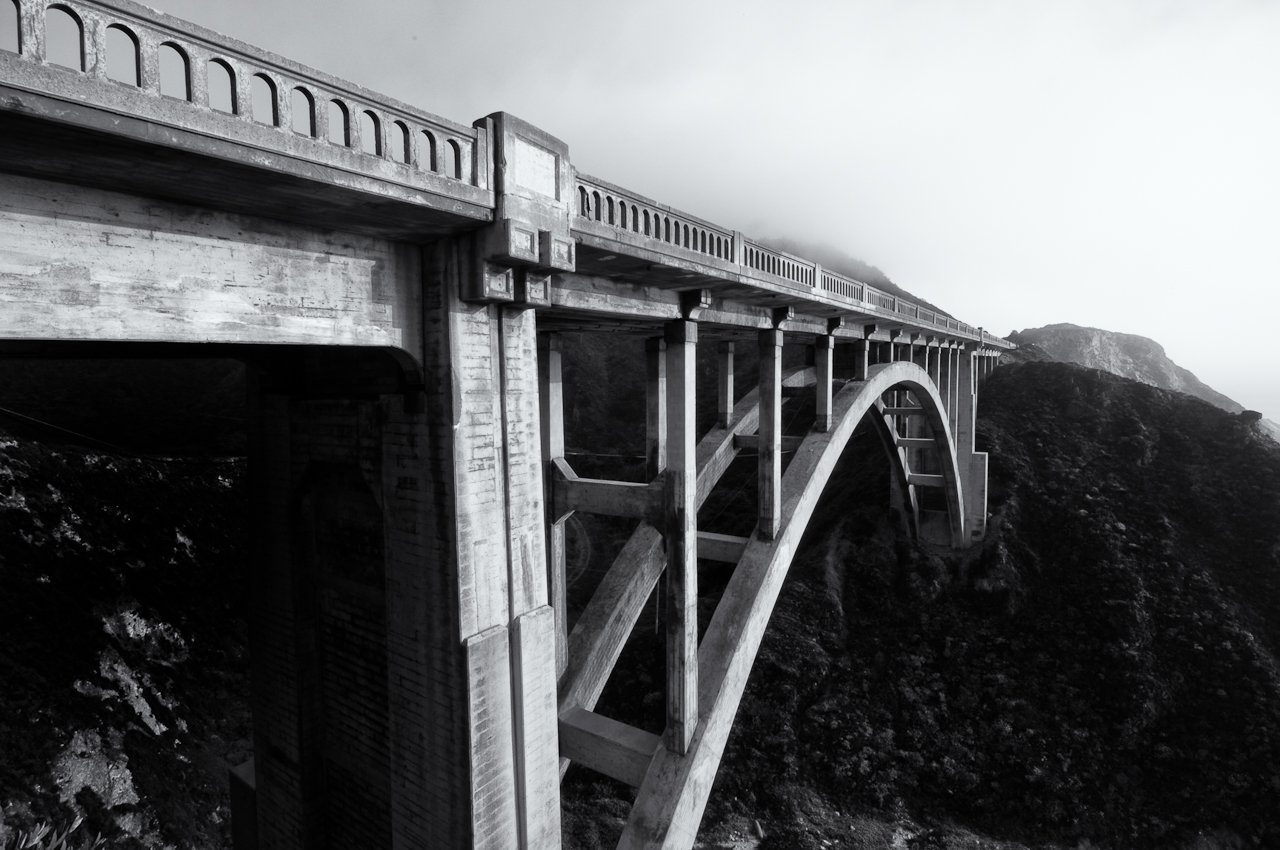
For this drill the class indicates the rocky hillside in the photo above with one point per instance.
(1101, 673)
(1127, 355)
(123, 658)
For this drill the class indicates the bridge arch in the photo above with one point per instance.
(670, 802)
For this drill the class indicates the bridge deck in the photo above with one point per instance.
(203, 119)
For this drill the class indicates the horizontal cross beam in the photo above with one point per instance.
(607, 746)
(752, 441)
(920, 479)
(720, 547)
(598, 496)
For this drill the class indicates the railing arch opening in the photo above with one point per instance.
(175, 72)
(10, 26)
(339, 124)
(302, 112)
(584, 202)
(370, 133)
(455, 160)
(427, 152)
(622, 215)
(262, 92)
(595, 205)
(401, 143)
(222, 86)
(64, 38)
(124, 63)
(609, 210)
(635, 219)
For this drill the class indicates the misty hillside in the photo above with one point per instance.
(846, 264)
(1127, 355)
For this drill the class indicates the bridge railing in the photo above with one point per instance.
(644, 222)
(615, 213)
(138, 62)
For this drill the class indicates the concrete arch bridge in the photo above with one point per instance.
(402, 288)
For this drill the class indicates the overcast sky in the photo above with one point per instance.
(1112, 163)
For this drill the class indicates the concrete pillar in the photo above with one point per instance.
(551, 401)
(862, 354)
(944, 382)
(770, 436)
(681, 494)
(973, 465)
(655, 407)
(823, 355)
(953, 389)
(485, 485)
(724, 385)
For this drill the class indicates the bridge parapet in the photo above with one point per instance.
(626, 220)
(184, 76)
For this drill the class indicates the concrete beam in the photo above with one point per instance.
(551, 402)
(655, 421)
(725, 548)
(606, 746)
(920, 479)
(599, 496)
(769, 446)
(604, 625)
(724, 384)
(751, 442)
(681, 525)
(823, 364)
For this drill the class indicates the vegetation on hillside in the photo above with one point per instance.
(1100, 673)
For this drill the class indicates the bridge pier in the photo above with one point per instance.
(404, 637)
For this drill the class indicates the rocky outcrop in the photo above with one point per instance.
(1127, 355)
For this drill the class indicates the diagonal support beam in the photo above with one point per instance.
(601, 631)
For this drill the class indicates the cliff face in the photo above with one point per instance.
(1127, 355)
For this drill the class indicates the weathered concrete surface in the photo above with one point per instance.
(93, 265)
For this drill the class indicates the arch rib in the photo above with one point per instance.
(669, 806)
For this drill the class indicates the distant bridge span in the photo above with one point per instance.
(402, 288)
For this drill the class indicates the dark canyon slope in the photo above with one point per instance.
(1102, 672)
